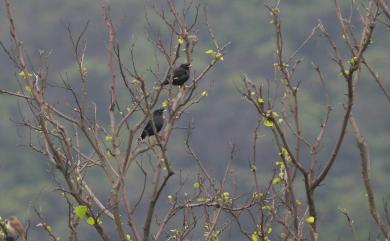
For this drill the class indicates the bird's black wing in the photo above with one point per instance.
(148, 130)
(179, 73)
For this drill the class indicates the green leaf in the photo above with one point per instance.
(108, 153)
(108, 138)
(24, 74)
(226, 197)
(280, 166)
(91, 221)
(210, 52)
(257, 195)
(28, 88)
(255, 236)
(310, 219)
(260, 100)
(165, 103)
(284, 154)
(266, 207)
(268, 122)
(80, 211)
(219, 55)
(196, 185)
(276, 181)
(344, 73)
(180, 39)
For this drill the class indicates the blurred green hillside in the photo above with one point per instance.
(223, 117)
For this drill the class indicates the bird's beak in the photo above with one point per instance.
(190, 65)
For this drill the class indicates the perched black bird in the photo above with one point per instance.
(158, 122)
(180, 75)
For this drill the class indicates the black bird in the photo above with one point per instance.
(180, 75)
(158, 122)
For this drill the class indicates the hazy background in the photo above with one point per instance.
(222, 118)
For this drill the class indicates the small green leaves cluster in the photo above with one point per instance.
(285, 155)
(216, 55)
(279, 177)
(192, 38)
(174, 234)
(165, 103)
(281, 66)
(81, 211)
(24, 74)
(257, 237)
(353, 60)
(225, 198)
(345, 73)
(257, 195)
(269, 118)
(211, 235)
